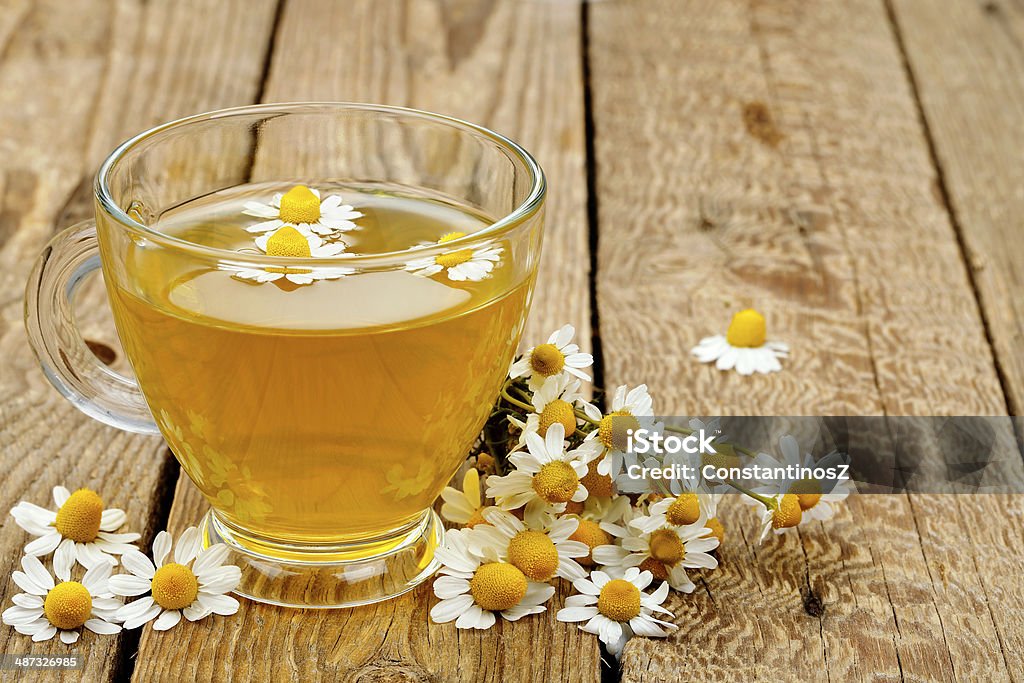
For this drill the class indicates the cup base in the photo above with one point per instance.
(330, 576)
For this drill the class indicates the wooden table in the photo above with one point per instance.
(853, 168)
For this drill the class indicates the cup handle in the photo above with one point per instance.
(71, 367)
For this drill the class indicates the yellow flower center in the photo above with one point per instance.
(717, 530)
(547, 360)
(474, 519)
(684, 510)
(497, 586)
(534, 554)
(788, 513)
(175, 586)
(300, 205)
(747, 329)
(556, 482)
(666, 547)
(485, 463)
(619, 600)
(449, 236)
(598, 485)
(657, 569)
(80, 515)
(454, 258)
(592, 535)
(808, 492)
(288, 241)
(558, 411)
(724, 457)
(68, 605)
(613, 427)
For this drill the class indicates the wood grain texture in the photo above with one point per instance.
(770, 154)
(76, 78)
(967, 59)
(514, 67)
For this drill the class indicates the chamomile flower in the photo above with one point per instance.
(632, 409)
(783, 512)
(472, 589)
(290, 241)
(817, 497)
(545, 479)
(301, 207)
(616, 609)
(465, 506)
(686, 509)
(555, 401)
(540, 553)
(744, 346)
(592, 514)
(666, 552)
(559, 355)
(48, 607)
(460, 264)
(193, 585)
(81, 522)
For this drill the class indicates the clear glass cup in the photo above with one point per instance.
(320, 422)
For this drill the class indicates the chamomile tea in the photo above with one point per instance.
(320, 405)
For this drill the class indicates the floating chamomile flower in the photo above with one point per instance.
(744, 346)
(193, 585)
(616, 609)
(666, 552)
(472, 589)
(783, 512)
(460, 264)
(817, 497)
(295, 243)
(545, 479)
(80, 522)
(47, 607)
(554, 402)
(465, 506)
(540, 553)
(301, 207)
(559, 355)
(632, 409)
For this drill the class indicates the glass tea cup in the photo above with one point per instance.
(320, 302)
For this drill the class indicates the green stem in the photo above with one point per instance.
(764, 500)
(514, 401)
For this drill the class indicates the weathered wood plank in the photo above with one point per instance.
(967, 59)
(75, 78)
(509, 65)
(770, 154)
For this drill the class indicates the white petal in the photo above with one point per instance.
(44, 634)
(450, 609)
(576, 613)
(102, 627)
(218, 604)
(60, 495)
(128, 585)
(69, 637)
(34, 570)
(44, 545)
(112, 519)
(138, 564)
(161, 547)
(167, 620)
(210, 558)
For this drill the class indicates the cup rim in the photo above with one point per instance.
(524, 210)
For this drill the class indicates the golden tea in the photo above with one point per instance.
(318, 413)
